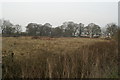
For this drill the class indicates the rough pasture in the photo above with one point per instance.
(42, 38)
(36, 57)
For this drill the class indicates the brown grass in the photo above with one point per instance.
(59, 58)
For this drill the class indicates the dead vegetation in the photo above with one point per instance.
(43, 38)
(60, 58)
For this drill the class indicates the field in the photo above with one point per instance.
(27, 57)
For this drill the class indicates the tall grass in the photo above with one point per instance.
(59, 58)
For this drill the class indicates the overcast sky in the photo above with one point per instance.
(56, 13)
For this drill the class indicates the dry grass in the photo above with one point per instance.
(59, 58)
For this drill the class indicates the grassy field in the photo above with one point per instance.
(59, 58)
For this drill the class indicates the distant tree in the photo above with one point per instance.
(63, 27)
(75, 29)
(46, 29)
(96, 30)
(80, 29)
(1, 23)
(92, 30)
(34, 29)
(7, 28)
(57, 31)
(111, 29)
(31, 29)
(69, 28)
(69, 31)
(18, 29)
(48, 25)
(39, 30)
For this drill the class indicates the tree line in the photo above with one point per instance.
(67, 29)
